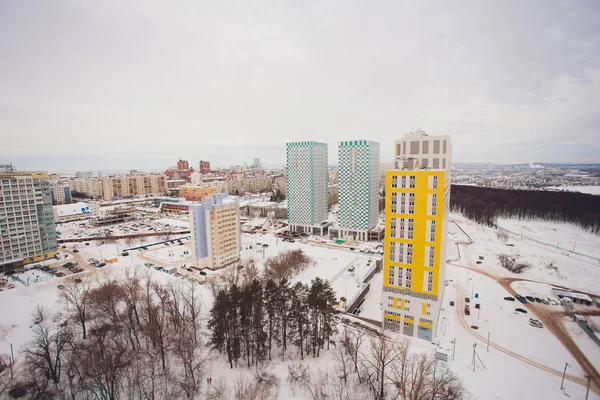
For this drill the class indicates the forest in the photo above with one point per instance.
(484, 205)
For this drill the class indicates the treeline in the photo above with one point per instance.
(484, 205)
(249, 323)
(133, 338)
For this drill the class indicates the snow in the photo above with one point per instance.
(582, 189)
(584, 342)
(560, 267)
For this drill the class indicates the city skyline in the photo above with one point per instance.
(85, 84)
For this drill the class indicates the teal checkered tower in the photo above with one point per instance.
(306, 183)
(358, 184)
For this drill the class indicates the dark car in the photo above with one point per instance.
(521, 310)
(467, 299)
(509, 298)
(530, 298)
(75, 251)
(100, 265)
(145, 248)
(60, 274)
(124, 254)
(67, 265)
(538, 300)
(522, 299)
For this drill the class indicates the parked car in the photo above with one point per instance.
(537, 300)
(75, 251)
(545, 301)
(521, 310)
(60, 274)
(145, 248)
(522, 299)
(124, 254)
(100, 264)
(452, 302)
(467, 310)
(509, 298)
(11, 286)
(60, 286)
(535, 323)
(467, 299)
(265, 245)
(67, 265)
(530, 298)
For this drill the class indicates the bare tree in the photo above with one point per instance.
(379, 354)
(167, 234)
(352, 340)
(77, 295)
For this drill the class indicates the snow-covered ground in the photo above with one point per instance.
(548, 265)
(584, 342)
(581, 189)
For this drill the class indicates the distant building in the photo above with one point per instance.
(84, 175)
(183, 165)
(133, 185)
(204, 167)
(196, 193)
(216, 233)
(61, 193)
(174, 185)
(115, 216)
(75, 211)
(417, 199)
(90, 187)
(307, 187)
(27, 229)
(175, 207)
(358, 188)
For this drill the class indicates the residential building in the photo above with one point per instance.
(280, 183)
(174, 185)
(183, 165)
(204, 167)
(75, 211)
(417, 199)
(307, 187)
(60, 193)
(27, 229)
(133, 185)
(358, 188)
(84, 174)
(89, 187)
(216, 233)
(196, 193)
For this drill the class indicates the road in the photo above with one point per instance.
(551, 319)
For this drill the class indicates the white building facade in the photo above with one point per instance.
(306, 174)
(216, 232)
(358, 188)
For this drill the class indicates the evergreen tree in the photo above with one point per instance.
(299, 315)
(284, 302)
(271, 298)
(258, 322)
(233, 322)
(218, 321)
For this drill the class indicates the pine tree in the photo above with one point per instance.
(258, 322)
(284, 302)
(299, 315)
(233, 322)
(218, 321)
(329, 327)
(271, 297)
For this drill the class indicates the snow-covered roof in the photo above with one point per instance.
(72, 209)
(581, 296)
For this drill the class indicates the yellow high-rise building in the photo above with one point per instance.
(417, 202)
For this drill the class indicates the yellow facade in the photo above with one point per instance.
(414, 256)
(195, 193)
(420, 216)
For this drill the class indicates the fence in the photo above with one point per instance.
(341, 271)
(555, 246)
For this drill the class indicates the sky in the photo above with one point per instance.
(113, 84)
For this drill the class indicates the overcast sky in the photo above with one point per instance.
(123, 84)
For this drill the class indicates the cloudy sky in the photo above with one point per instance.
(124, 84)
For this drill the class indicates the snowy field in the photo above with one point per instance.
(582, 189)
(584, 342)
(548, 265)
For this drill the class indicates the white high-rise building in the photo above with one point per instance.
(416, 204)
(358, 188)
(216, 232)
(307, 187)
(27, 229)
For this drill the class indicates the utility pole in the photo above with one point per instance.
(563, 377)
(587, 392)
(453, 348)
(12, 361)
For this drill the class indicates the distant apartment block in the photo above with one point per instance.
(358, 188)
(183, 165)
(196, 193)
(307, 178)
(204, 167)
(216, 233)
(60, 193)
(89, 187)
(27, 229)
(417, 200)
(84, 174)
(133, 185)
(251, 184)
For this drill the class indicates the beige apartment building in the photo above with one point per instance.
(91, 187)
(133, 185)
